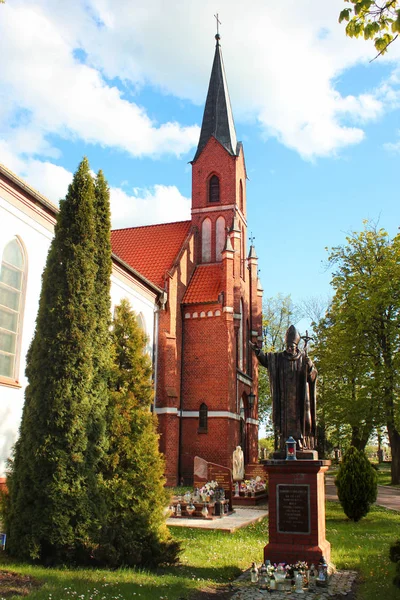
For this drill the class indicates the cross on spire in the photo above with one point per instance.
(218, 23)
(252, 238)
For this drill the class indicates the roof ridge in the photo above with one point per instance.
(153, 225)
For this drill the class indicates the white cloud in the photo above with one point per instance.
(58, 95)
(284, 61)
(51, 180)
(160, 204)
(393, 147)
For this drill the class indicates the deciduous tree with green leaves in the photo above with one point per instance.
(54, 506)
(359, 346)
(347, 406)
(134, 530)
(377, 20)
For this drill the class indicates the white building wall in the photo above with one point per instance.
(36, 239)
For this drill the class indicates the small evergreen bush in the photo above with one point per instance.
(134, 532)
(356, 484)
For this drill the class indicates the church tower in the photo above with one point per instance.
(221, 308)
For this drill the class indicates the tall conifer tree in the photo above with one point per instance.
(52, 483)
(102, 359)
(134, 531)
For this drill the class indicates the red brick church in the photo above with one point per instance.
(205, 374)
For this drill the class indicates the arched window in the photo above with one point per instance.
(219, 238)
(141, 322)
(203, 418)
(206, 241)
(241, 195)
(12, 287)
(213, 189)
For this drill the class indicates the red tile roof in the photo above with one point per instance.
(151, 250)
(205, 284)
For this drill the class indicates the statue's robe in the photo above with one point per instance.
(293, 392)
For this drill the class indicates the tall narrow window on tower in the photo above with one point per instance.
(219, 238)
(12, 285)
(213, 192)
(241, 195)
(206, 241)
(203, 418)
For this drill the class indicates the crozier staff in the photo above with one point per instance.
(292, 379)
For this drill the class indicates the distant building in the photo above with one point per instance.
(192, 284)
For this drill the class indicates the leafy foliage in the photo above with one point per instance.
(377, 20)
(356, 484)
(134, 531)
(359, 340)
(53, 509)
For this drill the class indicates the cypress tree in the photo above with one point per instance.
(97, 440)
(356, 484)
(134, 531)
(52, 483)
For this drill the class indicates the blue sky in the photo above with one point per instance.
(124, 82)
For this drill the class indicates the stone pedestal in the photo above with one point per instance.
(297, 511)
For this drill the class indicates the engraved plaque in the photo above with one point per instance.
(293, 507)
(222, 476)
(252, 471)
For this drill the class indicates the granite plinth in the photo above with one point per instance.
(297, 511)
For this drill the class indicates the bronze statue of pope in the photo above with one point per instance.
(292, 378)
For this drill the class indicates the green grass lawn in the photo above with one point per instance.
(384, 477)
(212, 558)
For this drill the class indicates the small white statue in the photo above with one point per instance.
(238, 464)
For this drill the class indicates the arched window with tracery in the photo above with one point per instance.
(206, 241)
(203, 418)
(219, 238)
(12, 291)
(213, 189)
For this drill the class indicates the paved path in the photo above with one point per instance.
(388, 497)
(241, 517)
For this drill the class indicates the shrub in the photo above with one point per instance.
(356, 484)
(134, 530)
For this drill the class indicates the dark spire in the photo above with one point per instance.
(218, 118)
